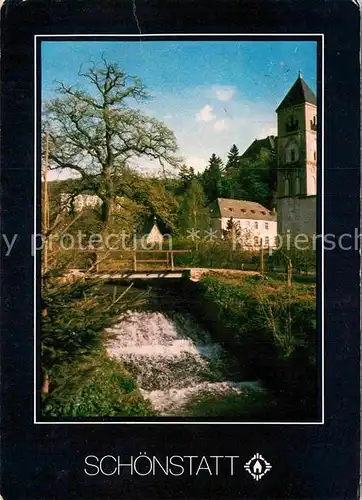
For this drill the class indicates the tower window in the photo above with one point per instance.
(291, 153)
(313, 123)
(256, 225)
(266, 225)
(291, 124)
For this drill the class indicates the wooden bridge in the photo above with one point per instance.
(131, 265)
(137, 264)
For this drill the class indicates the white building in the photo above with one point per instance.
(255, 224)
(154, 236)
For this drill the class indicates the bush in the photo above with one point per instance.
(213, 254)
(74, 319)
(74, 316)
(272, 330)
(251, 405)
(98, 387)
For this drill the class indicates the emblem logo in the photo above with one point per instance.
(257, 466)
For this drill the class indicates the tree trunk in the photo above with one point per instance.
(106, 210)
(46, 383)
(289, 272)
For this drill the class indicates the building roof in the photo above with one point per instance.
(241, 209)
(267, 144)
(299, 93)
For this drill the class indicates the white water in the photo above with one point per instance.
(172, 359)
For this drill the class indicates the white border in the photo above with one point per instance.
(175, 37)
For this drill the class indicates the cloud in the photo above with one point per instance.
(220, 125)
(224, 93)
(205, 114)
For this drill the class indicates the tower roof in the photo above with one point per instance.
(299, 93)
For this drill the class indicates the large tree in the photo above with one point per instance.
(186, 176)
(233, 160)
(192, 213)
(212, 177)
(95, 131)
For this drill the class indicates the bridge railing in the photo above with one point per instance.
(134, 258)
(169, 260)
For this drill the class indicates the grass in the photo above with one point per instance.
(250, 405)
(97, 387)
(271, 329)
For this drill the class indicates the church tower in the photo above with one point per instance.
(297, 154)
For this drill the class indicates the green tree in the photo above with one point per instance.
(95, 132)
(229, 183)
(212, 178)
(252, 180)
(192, 212)
(74, 316)
(232, 231)
(233, 158)
(186, 175)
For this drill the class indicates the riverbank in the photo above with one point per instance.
(225, 347)
(271, 329)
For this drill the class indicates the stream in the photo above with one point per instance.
(174, 361)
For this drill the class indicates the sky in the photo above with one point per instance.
(212, 94)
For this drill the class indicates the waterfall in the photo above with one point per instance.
(172, 358)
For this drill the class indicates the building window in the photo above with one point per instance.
(291, 124)
(297, 185)
(256, 225)
(291, 153)
(286, 187)
(315, 156)
(256, 241)
(247, 223)
(313, 123)
(266, 241)
(267, 225)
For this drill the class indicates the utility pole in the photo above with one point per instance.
(289, 261)
(45, 203)
(262, 257)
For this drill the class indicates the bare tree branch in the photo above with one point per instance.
(96, 132)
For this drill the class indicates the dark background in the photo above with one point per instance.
(47, 461)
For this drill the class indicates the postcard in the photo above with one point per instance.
(180, 266)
